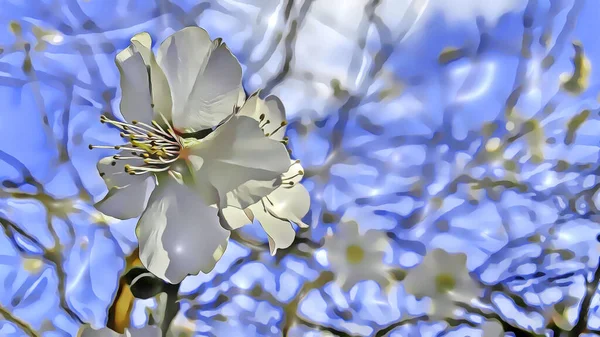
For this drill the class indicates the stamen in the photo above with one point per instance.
(300, 173)
(284, 123)
(155, 145)
(263, 125)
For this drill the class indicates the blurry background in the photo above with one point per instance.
(468, 125)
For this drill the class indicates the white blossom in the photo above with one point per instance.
(186, 150)
(354, 257)
(444, 278)
(285, 205)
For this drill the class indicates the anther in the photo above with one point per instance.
(113, 163)
(117, 147)
(134, 122)
(102, 174)
(261, 117)
(91, 147)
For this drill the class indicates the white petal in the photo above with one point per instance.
(291, 203)
(249, 192)
(238, 152)
(179, 234)
(88, 331)
(113, 172)
(270, 109)
(252, 106)
(161, 94)
(129, 201)
(241, 97)
(348, 230)
(136, 99)
(204, 77)
(281, 233)
(147, 331)
(235, 217)
(441, 308)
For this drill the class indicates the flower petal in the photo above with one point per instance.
(236, 153)
(236, 217)
(269, 112)
(281, 233)
(129, 201)
(179, 234)
(291, 203)
(349, 230)
(204, 77)
(249, 192)
(113, 172)
(161, 94)
(136, 99)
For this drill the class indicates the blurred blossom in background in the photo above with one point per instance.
(450, 149)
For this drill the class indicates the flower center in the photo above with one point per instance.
(355, 254)
(151, 148)
(444, 283)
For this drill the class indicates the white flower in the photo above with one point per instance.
(182, 136)
(147, 331)
(285, 205)
(444, 278)
(354, 257)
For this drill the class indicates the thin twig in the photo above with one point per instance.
(582, 319)
(18, 322)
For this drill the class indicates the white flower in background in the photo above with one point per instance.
(492, 329)
(444, 278)
(354, 257)
(285, 205)
(147, 331)
(176, 179)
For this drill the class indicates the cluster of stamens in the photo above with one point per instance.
(262, 123)
(153, 148)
